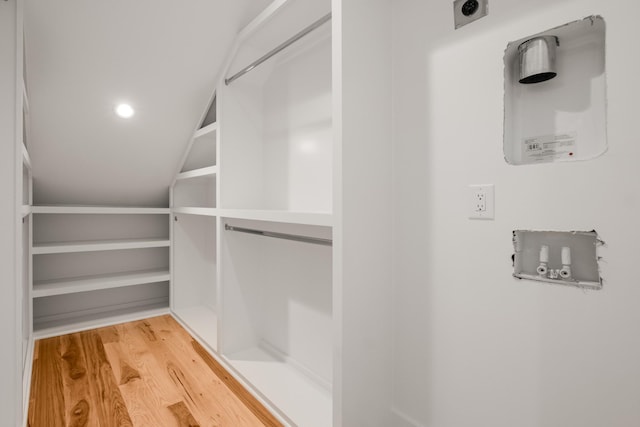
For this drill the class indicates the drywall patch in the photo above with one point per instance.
(560, 257)
(555, 97)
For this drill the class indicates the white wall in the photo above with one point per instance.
(10, 403)
(472, 345)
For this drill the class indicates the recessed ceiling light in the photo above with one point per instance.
(125, 111)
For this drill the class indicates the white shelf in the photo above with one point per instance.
(196, 211)
(98, 320)
(202, 321)
(102, 245)
(206, 130)
(305, 218)
(26, 210)
(98, 210)
(300, 398)
(47, 288)
(208, 171)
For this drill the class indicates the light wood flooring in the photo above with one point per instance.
(149, 373)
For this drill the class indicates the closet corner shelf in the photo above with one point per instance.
(291, 217)
(26, 159)
(205, 130)
(46, 288)
(195, 173)
(195, 211)
(98, 210)
(101, 245)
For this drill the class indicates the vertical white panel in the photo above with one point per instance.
(9, 219)
(362, 200)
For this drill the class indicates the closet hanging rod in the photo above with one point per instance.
(295, 237)
(278, 49)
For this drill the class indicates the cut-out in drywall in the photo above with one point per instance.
(555, 94)
(560, 257)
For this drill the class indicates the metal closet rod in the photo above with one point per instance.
(295, 237)
(278, 49)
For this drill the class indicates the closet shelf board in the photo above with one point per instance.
(101, 245)
(301, 399)
(292, 217)
(208, 171)
(98, 210)
(206, 130)
(196, 211)
(45, 288)
(98, 320)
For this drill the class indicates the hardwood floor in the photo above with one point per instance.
(138, 374)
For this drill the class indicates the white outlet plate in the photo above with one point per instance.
(481, 201)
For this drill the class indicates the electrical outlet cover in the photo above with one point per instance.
(481, 201)
(467, 11)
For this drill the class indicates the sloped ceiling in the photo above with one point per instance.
(85, 57)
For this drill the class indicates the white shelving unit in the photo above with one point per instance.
(194, 293)
(194, 201)
(276, 135)
(256, 192)
(95, 265)
(278, 317)
(263, 305)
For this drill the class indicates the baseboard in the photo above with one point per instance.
(399, 419)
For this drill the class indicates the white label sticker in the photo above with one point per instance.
(547, 148)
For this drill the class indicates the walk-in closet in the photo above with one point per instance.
(354, 213)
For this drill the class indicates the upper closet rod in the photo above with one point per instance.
(281, 47)
(305, 239)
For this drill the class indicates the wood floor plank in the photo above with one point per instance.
(195, 387)
(205, 394)
(80, 407)
(145, 399)
(47, 392)
(103, 386)
(183, 416)
(149, 373)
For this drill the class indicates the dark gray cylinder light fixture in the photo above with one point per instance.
(538, 59)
